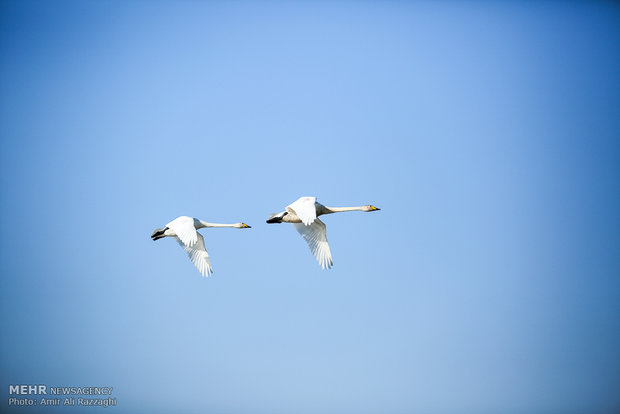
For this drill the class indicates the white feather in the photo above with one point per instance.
(305, 209)
(316, 237)
(184, 229)
(198, 255)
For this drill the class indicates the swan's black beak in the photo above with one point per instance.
(373, 208)
(245, 226)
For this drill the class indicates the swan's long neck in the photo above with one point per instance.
(329, 210)
(201, 224)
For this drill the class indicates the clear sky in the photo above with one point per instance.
(487, 132)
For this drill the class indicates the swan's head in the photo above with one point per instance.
(371, 208)
(242, 226)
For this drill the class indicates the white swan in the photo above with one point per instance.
(183, 230)
(302, 214)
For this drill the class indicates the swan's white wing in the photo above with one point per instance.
(316, 237)
(184, 228)
(198, 255)
(305, 209)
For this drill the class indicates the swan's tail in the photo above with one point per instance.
(158, 234)
(276, 218)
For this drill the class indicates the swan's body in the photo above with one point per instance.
(183, 230)
(303, 215)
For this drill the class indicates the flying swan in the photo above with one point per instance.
(183, 230)
(302, 214)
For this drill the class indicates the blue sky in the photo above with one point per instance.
(488, 134)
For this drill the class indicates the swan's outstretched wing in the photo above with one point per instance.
(198, 255)
(316, 237)
(184, 228)
(305, 209)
